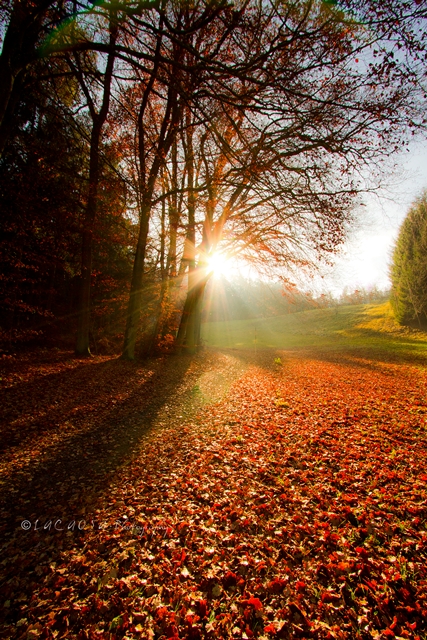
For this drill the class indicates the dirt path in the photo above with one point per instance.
(216, 497)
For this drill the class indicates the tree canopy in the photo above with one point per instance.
(248, 128)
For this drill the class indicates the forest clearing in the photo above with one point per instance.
(233, 494)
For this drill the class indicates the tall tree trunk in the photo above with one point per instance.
(162, 311)
(198, 316)
(7, 80)
(136, 288)
(168, 132)
(174, 214)
(10, 68)
(83, 327)
(189, 257)
(8, 107)
(189, 338)
(18, 52)
(98, 121)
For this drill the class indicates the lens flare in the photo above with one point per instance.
(217, 264)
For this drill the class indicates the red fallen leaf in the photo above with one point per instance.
(183, 526)
(394, 623)
(362, 551)
(388, 633)
(334, 537)
(350, 499)
(254, 602)
(372, 584)
(277, 585)
(162, 613)
(409, 609)
(343, 567)
(172, 632)
(328, 596)
(270, 629)
(300, 586)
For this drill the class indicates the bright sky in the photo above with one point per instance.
(366, 256)
(364, 260)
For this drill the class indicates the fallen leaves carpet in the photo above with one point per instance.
(225, 496)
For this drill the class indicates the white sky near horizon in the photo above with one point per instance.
(365, 259)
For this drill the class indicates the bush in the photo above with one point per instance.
(409, 267)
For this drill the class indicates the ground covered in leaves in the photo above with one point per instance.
(232, 495)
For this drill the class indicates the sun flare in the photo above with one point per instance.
(217, 264)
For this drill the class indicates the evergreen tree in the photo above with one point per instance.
(409, 266)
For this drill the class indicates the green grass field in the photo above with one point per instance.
(367, 327)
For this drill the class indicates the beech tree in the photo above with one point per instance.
(307, 131)
(175, 74)
(150, 158)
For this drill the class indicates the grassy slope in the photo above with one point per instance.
(356, 327)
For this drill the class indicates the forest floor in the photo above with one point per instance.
(229, 495)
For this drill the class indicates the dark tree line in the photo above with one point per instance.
(138, 138)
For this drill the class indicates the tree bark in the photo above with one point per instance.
(83, 326)
(98, 120)
(189, 338)
(136, 290)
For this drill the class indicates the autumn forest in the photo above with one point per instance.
(188, 453)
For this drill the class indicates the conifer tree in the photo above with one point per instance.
(409, 266)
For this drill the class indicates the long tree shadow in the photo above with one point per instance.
(66, 466)
(77, 472)
(39, 403)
